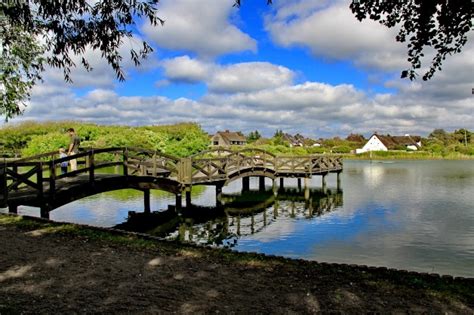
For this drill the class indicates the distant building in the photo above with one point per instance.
(228, 138)
(386, 142)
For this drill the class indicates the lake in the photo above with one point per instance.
(415, 215)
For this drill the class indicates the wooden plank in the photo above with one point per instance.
(23, 178)
(3, 186)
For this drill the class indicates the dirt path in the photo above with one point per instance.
(48, 271)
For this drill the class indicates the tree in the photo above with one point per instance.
(463, 136)
(253, 136)
(65, 28)
(440, 24)
(21, 63)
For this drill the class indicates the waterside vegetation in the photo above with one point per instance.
(185, 139)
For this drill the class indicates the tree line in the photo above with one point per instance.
(185, 139)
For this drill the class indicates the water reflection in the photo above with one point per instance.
(239, 215)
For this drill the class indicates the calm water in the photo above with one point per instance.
(416, 215)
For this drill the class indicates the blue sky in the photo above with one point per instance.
(304, 66)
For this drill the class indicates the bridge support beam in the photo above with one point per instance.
(324, 183)
(219, 195)
(275, 187)
(245, 183)
(282, 183)
(13, 209)
(179, 201)
(261, 183)
(44, 211)
(299, 184)
(146, 201)
(338, 181)
(306, 189)
(188, 196)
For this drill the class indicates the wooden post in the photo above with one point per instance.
(274, 187)
(238, 225)
(146, 200)
(338, 181)
(299, 184)
(252, 224)
(179, 201)
(306, 188)
(245, 183)
(282, 183)
(275, 209)
(218, 195)
(15, 170)
(324, 185)
(188, 196)
(91, 168)
(261, 183)
(125, 162)
(52, 179)
(185, 171)
(154, 164)
(3, 185)
(44, 211)
(117, 160)
(13, 208)
(39, 178)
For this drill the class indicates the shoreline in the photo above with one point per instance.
(306, 286)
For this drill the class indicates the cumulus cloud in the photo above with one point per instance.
(249, 76)
(202, 27)
(185, 69)
(331, 31)
(234, 78)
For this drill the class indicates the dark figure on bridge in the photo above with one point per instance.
(73, 147)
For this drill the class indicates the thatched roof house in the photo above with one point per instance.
(228, 138)
(386, 142)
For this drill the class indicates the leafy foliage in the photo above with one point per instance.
(34, 138)
(21, 63)
(438, 24)
(66, 28)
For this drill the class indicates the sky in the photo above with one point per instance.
(301, 66)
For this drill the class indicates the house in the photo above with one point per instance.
(294, 141)
(228, 138)
(386, 142)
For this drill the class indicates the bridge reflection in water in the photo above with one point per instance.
(239, 215)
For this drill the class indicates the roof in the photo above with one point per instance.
(231, 136)
(392, 142)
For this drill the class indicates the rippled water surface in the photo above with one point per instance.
(416, 215)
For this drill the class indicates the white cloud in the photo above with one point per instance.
(249, 76)
(331, 31)
(185, 69)
(234, 78)
(202, 27)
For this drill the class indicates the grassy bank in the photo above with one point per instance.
(404, 155)
(58, 259)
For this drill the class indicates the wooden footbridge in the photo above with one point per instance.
(34, 181)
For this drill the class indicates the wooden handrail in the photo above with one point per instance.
(197, 168)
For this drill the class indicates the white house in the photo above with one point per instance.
(384, 143)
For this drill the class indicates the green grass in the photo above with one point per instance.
(405, 155)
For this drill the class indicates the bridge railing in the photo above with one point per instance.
(39, 171)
